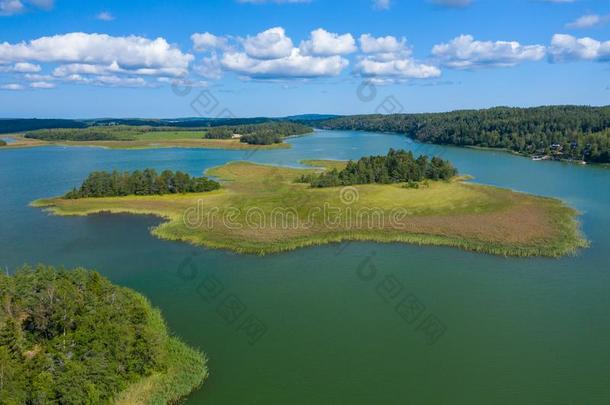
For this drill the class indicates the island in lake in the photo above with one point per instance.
(263, 209)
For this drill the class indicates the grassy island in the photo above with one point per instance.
(72, 337)
(263, 209)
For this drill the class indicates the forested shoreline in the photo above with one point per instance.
(259, 134)
(266, 133)
(72, 337)
(398, 166)
(558, 132)
(146, 182)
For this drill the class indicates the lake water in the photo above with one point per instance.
(528, 331)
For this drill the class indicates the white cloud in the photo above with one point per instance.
(105, 16)
(295, 65)
(35, 77)
(565, 48)
(388, 59)
(324, 43)
(589, 21)
(11, 86)
(381, 4)
(24, 67)
(388, 44)
(42, 85)
(397, 69)
(464, 52)
(11, 7)
(137, 54)
(207, 42)
(270, 44)
(209, 67)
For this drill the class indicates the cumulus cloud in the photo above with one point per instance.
(588, 21)
(132, 53)
(270, 44)
(209, 67)
(397, 69)
(324, 43)
(566, 48)
(295, 65)
(24, 67)
(464, 52)
(388, 59)
(206, 42)
(388, 44)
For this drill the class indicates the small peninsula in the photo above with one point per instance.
(267, 209)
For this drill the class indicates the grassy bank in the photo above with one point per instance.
(186, 371)
(261, 210)
(156, 140)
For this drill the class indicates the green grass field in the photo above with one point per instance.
(261, 210)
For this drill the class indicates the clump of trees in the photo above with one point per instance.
(99, 133)
(563, 132)
(398, 166)
(146, 182)
(259, 134)
(2, 142)
(71, 337)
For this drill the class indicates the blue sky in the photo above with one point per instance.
(86, 59)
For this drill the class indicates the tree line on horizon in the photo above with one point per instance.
(398, 166)
(146, 182)
(259, 134)
(562, 132)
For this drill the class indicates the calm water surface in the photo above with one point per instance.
(529, 331)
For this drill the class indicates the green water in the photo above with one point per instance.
(527, 331)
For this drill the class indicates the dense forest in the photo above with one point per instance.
(71, 337)
(146, 182)
(398, 166)
(259, 134)
(111, 133)
(560, 132)
(8, 126)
